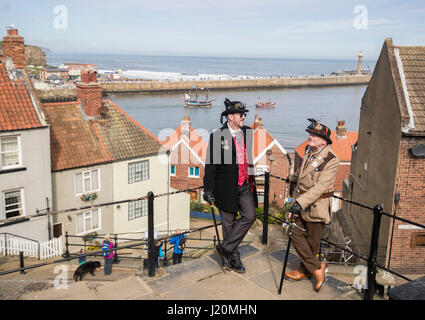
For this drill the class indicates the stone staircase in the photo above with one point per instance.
(194, 279)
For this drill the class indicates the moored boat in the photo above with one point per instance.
(265, 105)
(191, 99)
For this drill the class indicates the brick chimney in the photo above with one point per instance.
(341, 130)
(258, 122)
(13, 47)
(89, 92)
(185, 130)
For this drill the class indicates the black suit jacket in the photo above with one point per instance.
(222, 169)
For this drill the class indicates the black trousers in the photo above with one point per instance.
(177, 258)
(234, 230)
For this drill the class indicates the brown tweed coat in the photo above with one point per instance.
(313, 181)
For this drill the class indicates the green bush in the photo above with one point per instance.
(278, 212)
(196, 205)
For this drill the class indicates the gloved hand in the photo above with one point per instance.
(209, 197)
(295, 209)
(287, 179)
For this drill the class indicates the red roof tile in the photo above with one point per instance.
(77, 142)
(16, 108)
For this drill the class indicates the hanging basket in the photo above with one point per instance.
(89, 196)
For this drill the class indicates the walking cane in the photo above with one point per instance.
(291, 226)
(285, 262)
(212, 206)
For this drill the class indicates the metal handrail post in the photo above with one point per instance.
(21, 262)
(116, 251)
(266, 208)
(371, 262)
(151, 240)
(67, 255)
(165, 260)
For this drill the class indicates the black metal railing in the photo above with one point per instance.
(371, 259)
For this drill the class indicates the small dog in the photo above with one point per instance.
(89, 266)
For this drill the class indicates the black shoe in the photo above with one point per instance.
(227, 255)
(236, 262)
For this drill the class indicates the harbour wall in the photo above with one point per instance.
(183, 86)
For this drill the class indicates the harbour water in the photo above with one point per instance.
(162, 113)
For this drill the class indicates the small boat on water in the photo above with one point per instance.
(191, 99)
(265, 104)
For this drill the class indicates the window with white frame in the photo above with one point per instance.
(88, 221)
(193, 172)
(10, 156)
(138, 171)
(13, 203)
(87, 181)
(173, 170)
(137, 209)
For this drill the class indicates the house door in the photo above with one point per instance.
(193, 195)
(57, 230)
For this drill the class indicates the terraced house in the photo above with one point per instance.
(388, 161)
(25, 175)
(100, 154)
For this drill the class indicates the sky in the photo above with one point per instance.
(307, 29)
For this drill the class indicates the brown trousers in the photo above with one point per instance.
(307, 244)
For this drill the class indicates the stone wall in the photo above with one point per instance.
(177, 86)
(156, 86)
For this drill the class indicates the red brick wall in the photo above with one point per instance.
(13, 47)
(90, 96)
(278, 167)
(182, 159)
(410, 184)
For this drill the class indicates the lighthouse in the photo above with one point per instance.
(359, 64)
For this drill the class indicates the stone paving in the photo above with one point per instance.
(194, 279)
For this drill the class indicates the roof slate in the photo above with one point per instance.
(77, 141)
(413, 61)
(17, 111)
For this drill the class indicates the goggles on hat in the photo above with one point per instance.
(240, 106)
(317, 127)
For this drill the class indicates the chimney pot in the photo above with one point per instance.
(341, 129)
(12, 32)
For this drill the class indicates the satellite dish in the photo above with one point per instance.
(418, 150)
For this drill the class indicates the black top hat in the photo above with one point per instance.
(233, 107)
(319, 130)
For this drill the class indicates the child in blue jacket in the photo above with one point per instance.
(179, 242)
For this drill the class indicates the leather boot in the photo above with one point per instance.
(319, 274)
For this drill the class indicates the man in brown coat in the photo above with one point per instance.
(313, 196)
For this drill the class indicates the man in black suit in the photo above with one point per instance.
(229, 180)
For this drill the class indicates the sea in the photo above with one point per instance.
(162, 113)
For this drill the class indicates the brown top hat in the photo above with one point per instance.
(319, 130)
